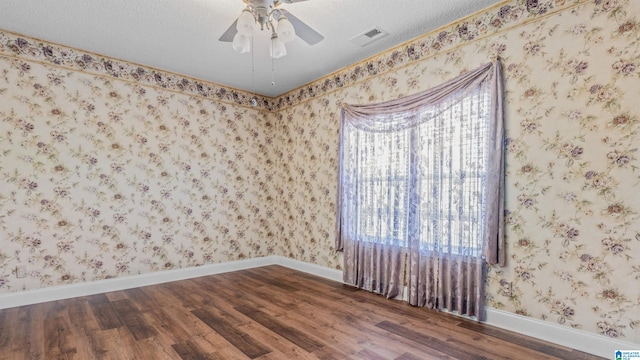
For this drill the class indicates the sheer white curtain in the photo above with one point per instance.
(420, 192)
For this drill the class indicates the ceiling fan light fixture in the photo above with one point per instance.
(241, 43)
(260, 15)
(246, 23)
(278, 49)
(286, 32)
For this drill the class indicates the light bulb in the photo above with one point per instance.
(286, 32)
(246, 24)
(241, 43)
(277, 48)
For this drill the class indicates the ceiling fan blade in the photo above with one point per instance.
(230, 33)
(303, 31)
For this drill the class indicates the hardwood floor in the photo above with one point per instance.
(264, 313)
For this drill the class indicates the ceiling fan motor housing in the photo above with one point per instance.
(262, 10)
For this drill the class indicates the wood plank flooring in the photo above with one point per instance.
(263, 313)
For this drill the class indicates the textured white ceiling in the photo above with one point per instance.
(181, 36)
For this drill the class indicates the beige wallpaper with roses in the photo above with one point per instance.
(104, 178)
(111, 169)
(572, 90)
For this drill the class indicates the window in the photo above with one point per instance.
(420, 192)
(424, 183)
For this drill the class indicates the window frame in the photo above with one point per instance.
(472, 248)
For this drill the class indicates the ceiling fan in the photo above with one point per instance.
(264, 14)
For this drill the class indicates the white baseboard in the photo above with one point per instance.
(29, 297)
(54, 293)
(558, 334)
(555, 333)
(325, 272)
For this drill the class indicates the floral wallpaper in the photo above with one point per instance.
(35, 50)
(103, 178)
(112, 169)
(571, 81)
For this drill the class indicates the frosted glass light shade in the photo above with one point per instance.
(241, 43)
(286, 32)
(246, 23)
(277, 48)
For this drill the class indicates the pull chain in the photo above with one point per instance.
(254, 98)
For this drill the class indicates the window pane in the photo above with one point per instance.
(424, 183)
(383, 181)
(450, 178)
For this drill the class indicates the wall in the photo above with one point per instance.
(571, 73)
(111, 169)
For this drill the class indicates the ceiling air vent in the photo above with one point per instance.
(369, 36)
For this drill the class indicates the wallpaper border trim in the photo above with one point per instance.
(461, 32)
(49, 53)
(543, 330)
(413, 51)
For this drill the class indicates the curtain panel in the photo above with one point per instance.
(420, 192)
